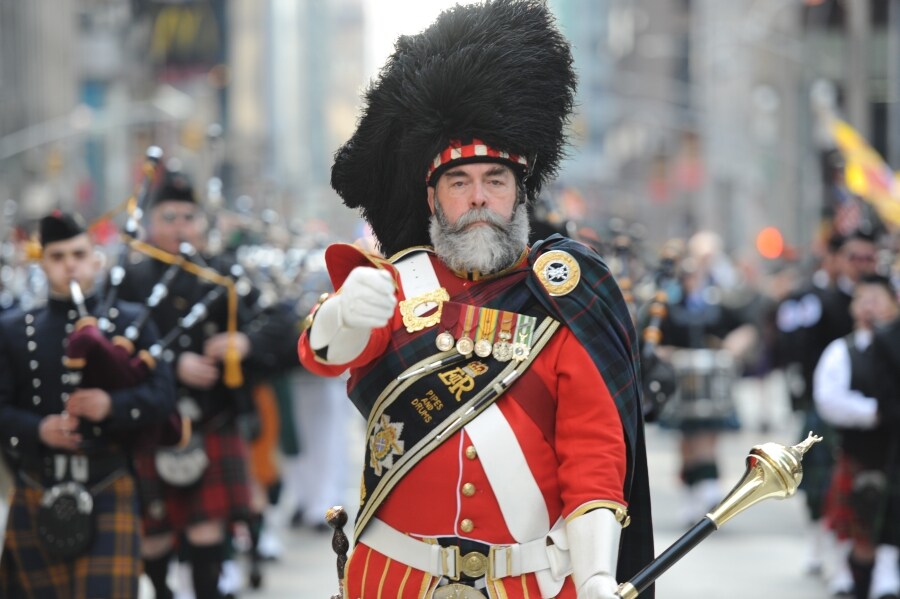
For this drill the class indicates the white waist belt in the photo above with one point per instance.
(503, 560)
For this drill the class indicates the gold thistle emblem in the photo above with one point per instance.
(558, 272)
(384, 444)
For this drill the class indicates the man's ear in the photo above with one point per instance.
(431, 198)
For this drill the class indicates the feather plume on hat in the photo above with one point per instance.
(485, 82)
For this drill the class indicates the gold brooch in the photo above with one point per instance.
(558, 272)
(409, 307)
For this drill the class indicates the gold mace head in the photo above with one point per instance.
(773, 470)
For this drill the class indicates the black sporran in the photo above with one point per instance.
(868, 497)
(65, 520)
(183, 466)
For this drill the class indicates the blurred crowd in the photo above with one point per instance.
(819, 324)
(280, 455)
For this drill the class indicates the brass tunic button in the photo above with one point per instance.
(471, 453)
(467, 525)
(468, 489)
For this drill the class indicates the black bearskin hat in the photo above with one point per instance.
(175, 186)
(498, 74)
(59, 226)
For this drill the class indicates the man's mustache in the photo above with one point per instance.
(479, 215)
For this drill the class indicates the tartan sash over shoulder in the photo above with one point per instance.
(597, 315)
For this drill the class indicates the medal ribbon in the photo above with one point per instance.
(525, 330)
(487, 325)
(467, 323)
(505, 331)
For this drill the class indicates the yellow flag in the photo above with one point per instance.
(866, 174)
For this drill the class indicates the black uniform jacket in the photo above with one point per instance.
(34, 383)
(186, 290)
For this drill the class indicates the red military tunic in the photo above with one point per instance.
(448, 493)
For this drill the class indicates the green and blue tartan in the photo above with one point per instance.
(597, 315)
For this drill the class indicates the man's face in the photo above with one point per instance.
(873, 305)
(478, 185)
(69, 259)
(857, 258)
(173, 222)
(477, 223)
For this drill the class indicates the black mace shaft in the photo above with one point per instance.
(643, 579)
(773, 471)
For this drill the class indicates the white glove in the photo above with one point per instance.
(594, 550)
(345, 321)
(367, 299)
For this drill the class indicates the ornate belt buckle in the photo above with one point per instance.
(474, 564)
(408, 308)
(458, 591)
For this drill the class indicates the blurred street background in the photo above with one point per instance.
(692, 114)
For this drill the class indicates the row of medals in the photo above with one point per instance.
(502, 350)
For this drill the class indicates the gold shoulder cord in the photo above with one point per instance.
(233, 376)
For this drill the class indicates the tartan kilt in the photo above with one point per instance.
(111, 567)
(222, 493)
(839, 512)
(372, 574)
(876, 520)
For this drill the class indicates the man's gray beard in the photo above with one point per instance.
(486, 249)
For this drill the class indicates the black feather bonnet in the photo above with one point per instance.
(495, 78)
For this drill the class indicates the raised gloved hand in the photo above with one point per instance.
(366, 299)
(344, 321)
(594, 550)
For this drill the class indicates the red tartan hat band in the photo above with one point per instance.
(475, 151)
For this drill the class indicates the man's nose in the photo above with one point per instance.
(479, 195)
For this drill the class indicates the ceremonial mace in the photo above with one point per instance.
(773, 470)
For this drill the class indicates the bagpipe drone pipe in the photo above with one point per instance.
(658, 376)
(94, 359)
(98, 358)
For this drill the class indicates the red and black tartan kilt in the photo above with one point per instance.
(838, 510)
(110, 568)
(223, 492)
(873, 522)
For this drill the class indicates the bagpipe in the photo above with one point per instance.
(646, 297)
(658, 375)
(96, 357)
(93, 358)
